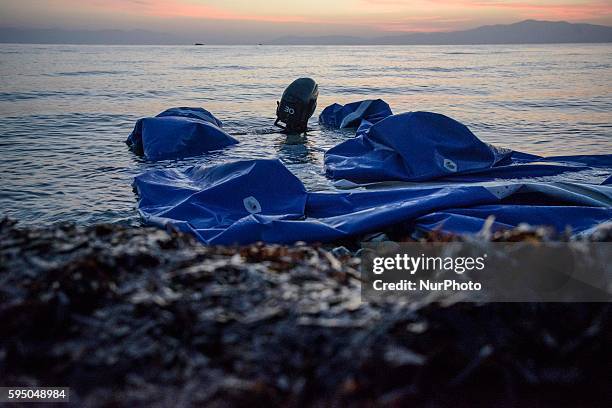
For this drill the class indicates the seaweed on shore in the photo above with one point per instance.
(128, 316)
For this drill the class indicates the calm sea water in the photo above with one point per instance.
(66, 110)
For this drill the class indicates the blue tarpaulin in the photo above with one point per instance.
(177, 133)
(419, 146)
(235, 203)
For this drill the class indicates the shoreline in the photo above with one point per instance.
(127, 315)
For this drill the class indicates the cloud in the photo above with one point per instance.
(177, 8)
(246, 18)
(541, 9)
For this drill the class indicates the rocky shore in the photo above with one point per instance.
(127, 316)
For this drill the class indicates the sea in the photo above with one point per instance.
(66, 110)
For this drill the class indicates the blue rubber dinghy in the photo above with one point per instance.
(235, 203)
(361, 114)
(178, 133)
(420, 146)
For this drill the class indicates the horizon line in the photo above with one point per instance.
(419, 38)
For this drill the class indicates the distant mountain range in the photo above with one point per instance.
(525, 32)
(109, 37)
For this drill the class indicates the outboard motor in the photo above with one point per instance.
(297, 105)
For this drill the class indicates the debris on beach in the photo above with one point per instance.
(127, 316)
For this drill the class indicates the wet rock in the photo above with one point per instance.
(340, 252)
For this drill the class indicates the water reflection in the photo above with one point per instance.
(295, 149)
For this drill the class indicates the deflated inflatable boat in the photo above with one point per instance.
(234, 203)
(455, 182)
(355, 114)
(177, 133)
(420, 146)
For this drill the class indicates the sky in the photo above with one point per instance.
(264, 20)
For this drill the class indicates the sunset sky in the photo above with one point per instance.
(270, 18)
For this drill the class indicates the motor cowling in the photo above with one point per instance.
(297, 105)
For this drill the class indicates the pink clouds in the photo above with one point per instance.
(448, 15)
(316, 17)
(380, 10)
(578, 10)
(184, 8)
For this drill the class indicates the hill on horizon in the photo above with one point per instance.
(524, 32)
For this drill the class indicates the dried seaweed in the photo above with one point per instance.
(130, 316)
